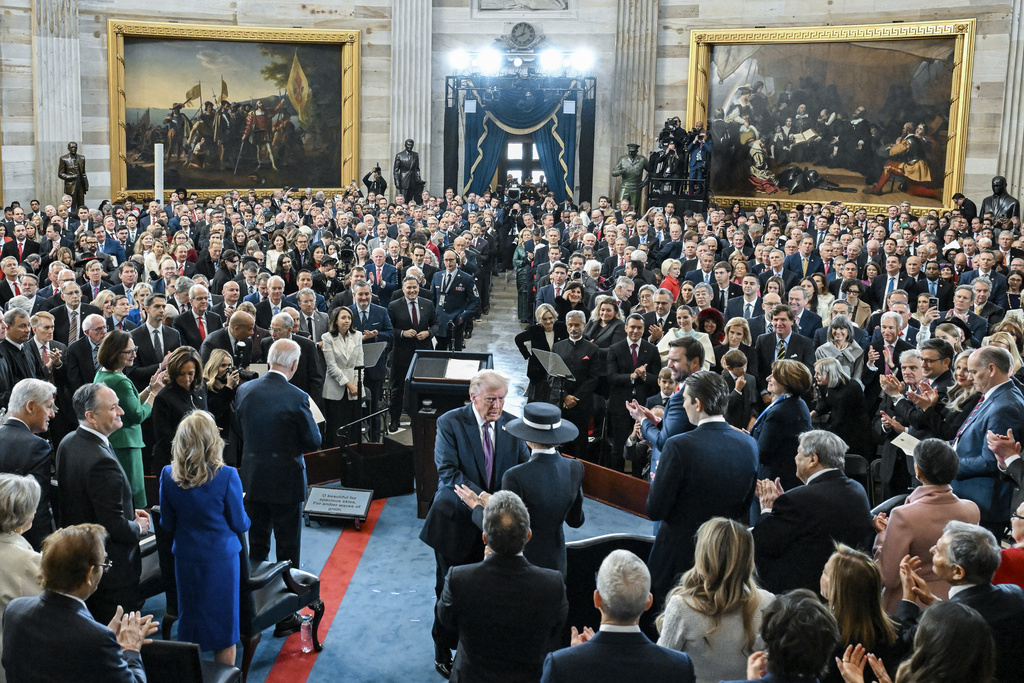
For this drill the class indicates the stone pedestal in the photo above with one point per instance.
(411, 36)
(58, 90)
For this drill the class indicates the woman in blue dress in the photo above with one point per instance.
(201, 507)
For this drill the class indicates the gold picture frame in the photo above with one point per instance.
(860, 54)
(227, 47)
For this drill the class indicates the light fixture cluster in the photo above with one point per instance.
(492, 62)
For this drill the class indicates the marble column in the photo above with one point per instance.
(58, 91)
(1011, 135)
(636, 46)
(411, 54)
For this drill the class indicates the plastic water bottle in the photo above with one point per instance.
(306, 633)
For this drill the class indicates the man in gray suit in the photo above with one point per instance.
(22, 452)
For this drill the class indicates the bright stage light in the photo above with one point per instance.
(490, 62)
(459, 60)
(582, 60)
(550, 61)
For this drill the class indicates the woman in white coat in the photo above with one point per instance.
(343, 353)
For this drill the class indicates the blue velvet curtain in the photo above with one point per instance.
(511, 112)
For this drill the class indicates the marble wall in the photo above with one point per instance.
(600, 25)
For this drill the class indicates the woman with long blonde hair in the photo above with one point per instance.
(201, 506)
(714, 613)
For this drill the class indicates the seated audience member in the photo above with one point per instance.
(852, 587)
(966, 557)
(19, 563)
(1011, 568)
(799, 528)
(915, 526)
(51, 638)
(799, 635)
(703, 473)
(953, 644)
(504, 612)
(781, 423)
(714, 613)
(619, 651)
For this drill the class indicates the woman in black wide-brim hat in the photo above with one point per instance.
(549, 484)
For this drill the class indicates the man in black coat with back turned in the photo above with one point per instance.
(798, 529)
(576, 398)
(504, 612)
(94, 489)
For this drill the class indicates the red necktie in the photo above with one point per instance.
(45, 352)
(21, 246)
(119, 325)
(378, 277)
(970, 417)
(415, 316)
(633, 350)
(202, 327)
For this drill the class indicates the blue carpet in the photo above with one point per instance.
(382, 629)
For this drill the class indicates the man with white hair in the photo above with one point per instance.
(277, 427)
(382, 276)
(966, 556)
(274, 303)
(195, 324)
(619, 650)
(22, 452)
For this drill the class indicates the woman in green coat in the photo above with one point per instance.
(117, 352)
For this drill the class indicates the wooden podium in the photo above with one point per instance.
(433, 386)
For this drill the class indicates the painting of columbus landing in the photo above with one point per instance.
(856, 120)
(235, 113)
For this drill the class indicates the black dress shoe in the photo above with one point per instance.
(394, 427)
(443, 667)
(288, 626)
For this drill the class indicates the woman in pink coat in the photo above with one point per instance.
(914, 527)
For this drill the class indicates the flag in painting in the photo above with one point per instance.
(298, 90)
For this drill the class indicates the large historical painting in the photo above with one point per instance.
(249, 108)
(865, 115)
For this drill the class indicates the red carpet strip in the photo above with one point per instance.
(292, 665)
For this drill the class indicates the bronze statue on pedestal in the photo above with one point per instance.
(72, 171)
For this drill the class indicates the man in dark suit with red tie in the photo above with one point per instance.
(414, 324)
(633, 367)
(20, 246)
(195, 324)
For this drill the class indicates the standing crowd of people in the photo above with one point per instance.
(732, 359)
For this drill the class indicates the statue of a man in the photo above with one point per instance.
(631, 167)
(1000, 203)
(72, 171)
(407, 172)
